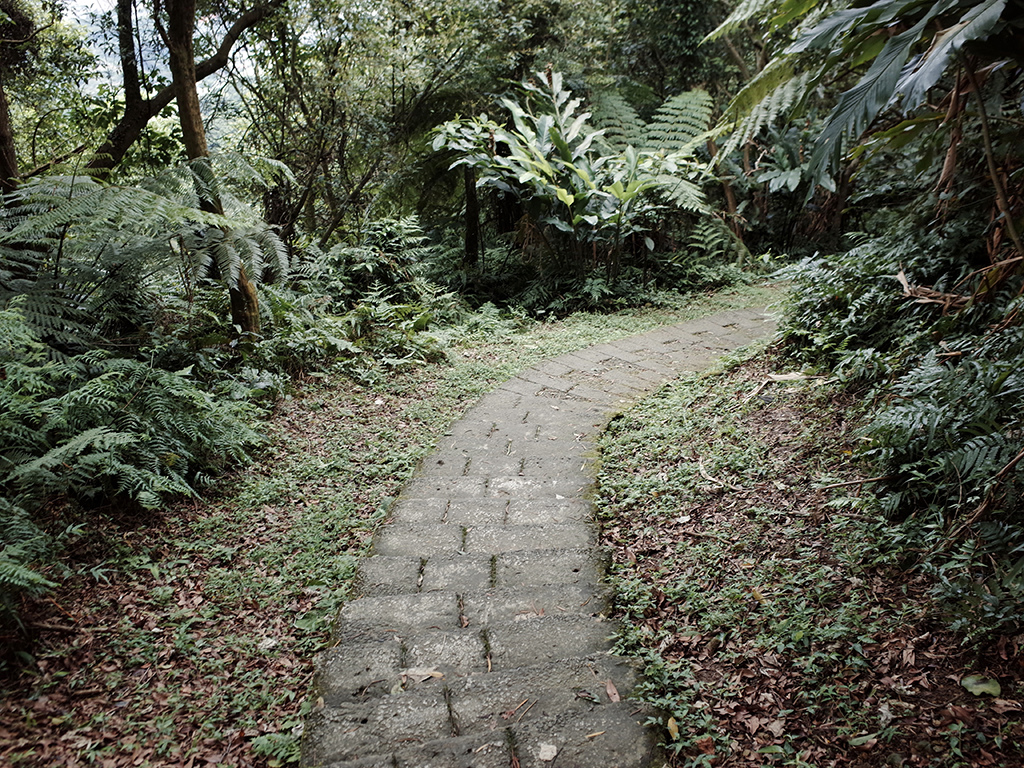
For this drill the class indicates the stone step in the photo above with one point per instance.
(480, 606)
(560, 703)
(527, 639)
(361, 671)
(612, 735)
(427, 539)
(460, 571)
(372, 663)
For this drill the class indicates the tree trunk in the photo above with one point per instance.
(180, 30)
(8, 156)
(244, 300)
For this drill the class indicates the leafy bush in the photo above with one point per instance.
(592, 203)
(946, 436)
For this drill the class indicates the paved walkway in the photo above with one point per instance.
(480, 639)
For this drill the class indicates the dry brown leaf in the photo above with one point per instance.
(999, 706)
(612, 691)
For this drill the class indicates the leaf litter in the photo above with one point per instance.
(772, 628)
(188, 635)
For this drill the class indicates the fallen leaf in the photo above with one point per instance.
(706, 745)
(999, 706)
(547, 753)
(594, 735)
(980, 685)
(864, 742)
(419, 674)
(673, 728)
(613, 692)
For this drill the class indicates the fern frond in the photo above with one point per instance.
(621, 124)
(980, 458)
(679, 122)
(773, 94)
(742, 13)
(683, 193)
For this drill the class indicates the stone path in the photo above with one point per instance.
(480, 639)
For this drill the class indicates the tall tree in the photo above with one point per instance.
(139, 109)
(178, 36)
(16, 29)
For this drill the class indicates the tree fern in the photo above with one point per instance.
(769, 97)
(76, 252)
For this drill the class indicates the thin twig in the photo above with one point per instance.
(54, 627)
(854, 482)
(706, 476)
(1001, 198)
(520, 718)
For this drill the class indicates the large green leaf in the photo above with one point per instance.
(858, 106)
(974, 25)
(830, 29)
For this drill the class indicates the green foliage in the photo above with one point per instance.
(94, 427)
(88, 260)
(936, 32)
(945, 436)
(105, 397)
(847, 303)
(984, 600)
(564, 185)
(660, 46)
(24, 546)
(593, 201)
(384, 256)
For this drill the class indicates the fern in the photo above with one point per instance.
(622, 126)
(775, 93)
(82, 257)
(745, 11)
(680, 124)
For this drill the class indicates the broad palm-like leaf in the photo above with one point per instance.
(937, 29)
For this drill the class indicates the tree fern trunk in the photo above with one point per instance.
(245, 307)
(472, 218)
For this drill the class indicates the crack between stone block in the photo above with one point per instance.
(485, 639)
(453, 721)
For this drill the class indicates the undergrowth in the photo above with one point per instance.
(778, 620)
(944, 438)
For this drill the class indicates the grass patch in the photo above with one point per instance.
(776, 623)
(187, 636)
